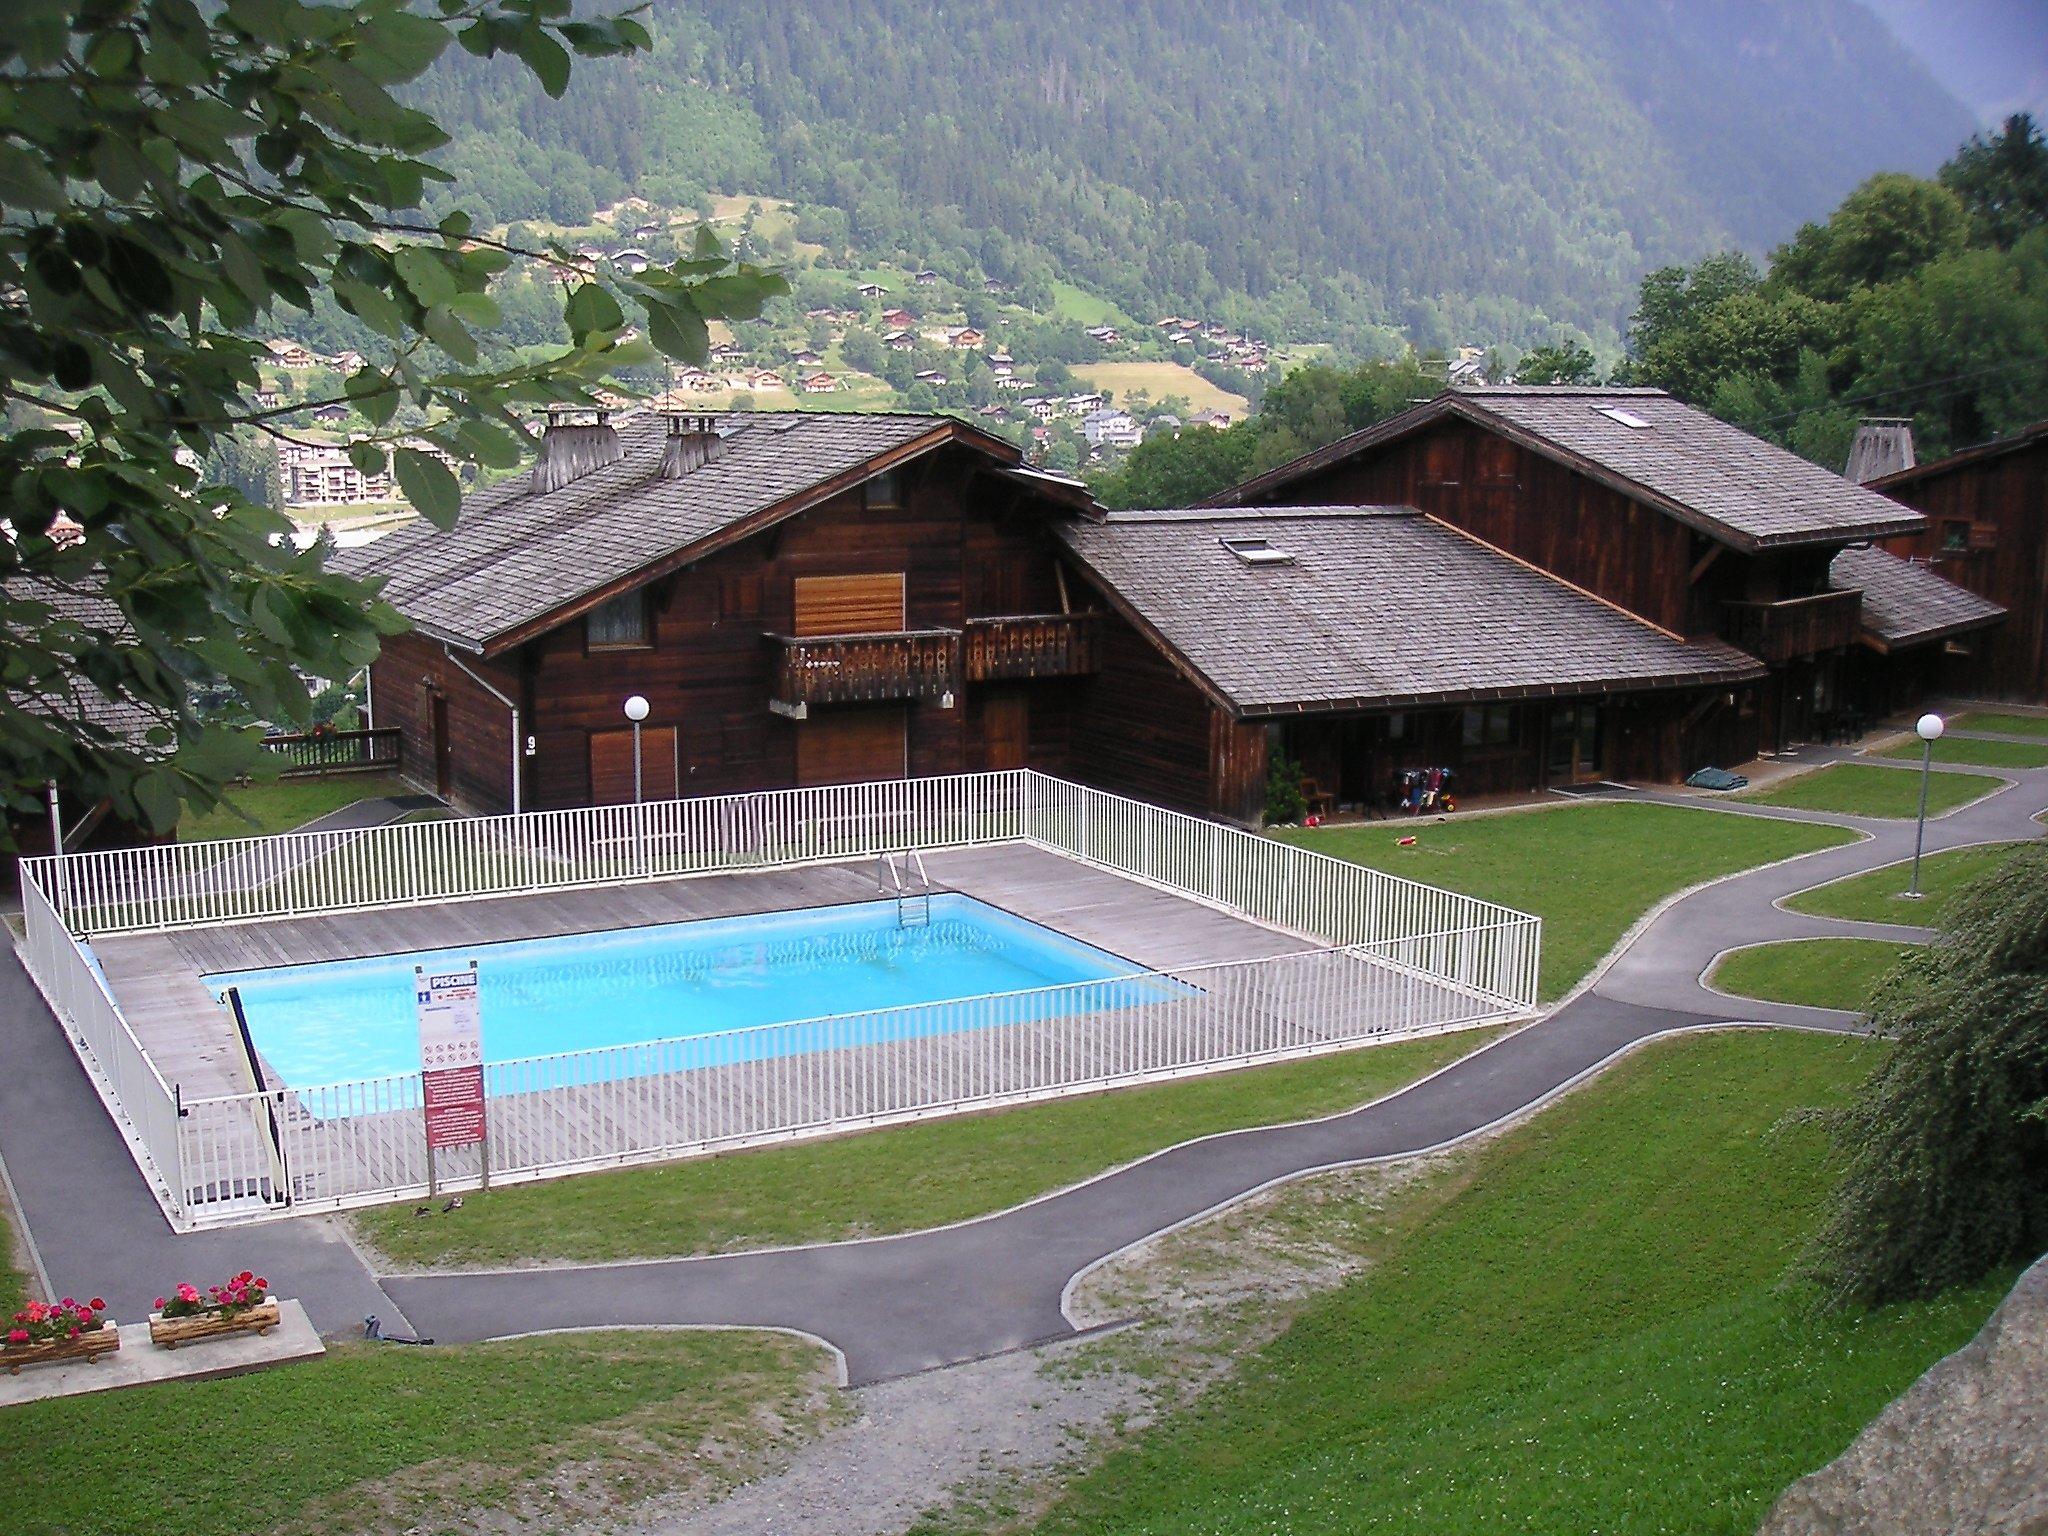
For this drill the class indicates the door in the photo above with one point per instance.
(611, 765)
(849, 605)
(1572, 744)
(1006, 731)
(444, 749)
(852, 746)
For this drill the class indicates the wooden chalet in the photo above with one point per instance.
(1365, 643)
(1987, 531)
(802, 599)
(1683, 522)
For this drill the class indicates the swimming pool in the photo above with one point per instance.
(341, 1020)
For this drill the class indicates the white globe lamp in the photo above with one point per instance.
(636, 711)
(1928, 728)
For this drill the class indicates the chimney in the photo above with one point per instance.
(1883, 446)
(576, 440)
(693, 442)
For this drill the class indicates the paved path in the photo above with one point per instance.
(896, 1305)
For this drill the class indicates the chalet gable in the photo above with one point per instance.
(1704, 472)
(521, 561)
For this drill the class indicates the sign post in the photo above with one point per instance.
(451, 1064)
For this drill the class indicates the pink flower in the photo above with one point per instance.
(17, 1336)
(159, 1303)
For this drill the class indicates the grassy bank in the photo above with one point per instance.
(260, 809)
(1858, 789)
(1585, 1333)
(1589, 871)
(1985, 754)
(1813, 973)
(1878, 897)
(895, 1180)
(382, 1437)
(2005, 725)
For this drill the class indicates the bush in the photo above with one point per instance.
(1284, 799)
(1946, 1146)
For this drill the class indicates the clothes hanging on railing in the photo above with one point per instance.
(1419, 791)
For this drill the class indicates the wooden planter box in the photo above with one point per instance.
(103, 1340)
(170, 1332)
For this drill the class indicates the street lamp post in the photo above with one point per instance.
(636, 711)
(1928, 729)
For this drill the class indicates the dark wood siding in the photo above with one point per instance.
(1142, 729)
(1528, 505)
(407, 675)
(611, 765)
(851, 745)
(1997, 506)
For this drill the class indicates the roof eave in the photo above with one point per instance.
(1364, 703)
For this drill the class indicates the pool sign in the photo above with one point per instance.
(451, 1055)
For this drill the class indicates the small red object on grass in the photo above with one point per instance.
(1406, 842)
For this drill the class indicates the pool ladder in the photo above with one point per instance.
(913, 901)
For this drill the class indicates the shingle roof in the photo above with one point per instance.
(1378, 606)
(72, 604)
(1905, 603)
(514, 557)
(1715, 476)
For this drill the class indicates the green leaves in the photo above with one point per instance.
(177, 181)
(433, 491)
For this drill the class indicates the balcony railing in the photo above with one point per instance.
(1794, 626)
(858, 669)
(1033, 645)
(334, 751)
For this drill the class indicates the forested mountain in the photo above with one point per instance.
(1356, 172)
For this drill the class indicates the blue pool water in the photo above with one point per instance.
(347, 1019)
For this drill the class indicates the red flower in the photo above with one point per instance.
(159, 1303)
(262, 1284)
(72, 1334)
(97, 1305)
(17, 1336)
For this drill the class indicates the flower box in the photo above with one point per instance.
(170, 1332)
(70, 1330)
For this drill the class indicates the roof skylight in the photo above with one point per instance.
(1256, 551)
(1625, 417)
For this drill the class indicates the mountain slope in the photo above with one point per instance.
(1312, 168)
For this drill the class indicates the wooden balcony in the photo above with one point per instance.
(310, 752)
(1034, 645)
(1794, 626)
(863, 669)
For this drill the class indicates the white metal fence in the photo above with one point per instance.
(1398, 959)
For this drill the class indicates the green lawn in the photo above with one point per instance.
(1589, 871)
(1877, 897)
(289, 803)
(384, 1437)
(1814, 973)
(2008, 725)
(1859, 789)
(1585, 1332)
(1986, 754)
(894, 1180)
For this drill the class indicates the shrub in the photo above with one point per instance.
(242, 1292)
(1946, 1146)
(1284, 799)
(44, 1323)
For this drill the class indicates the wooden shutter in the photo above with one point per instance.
(849, 605)
(852, 746)
(611, 765)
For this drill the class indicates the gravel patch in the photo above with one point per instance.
(986, 1445)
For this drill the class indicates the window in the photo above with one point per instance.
(1955, 535)
(1254, 551)
(1493, 726)
(883, 491)
(1625, 417)
(620, 624)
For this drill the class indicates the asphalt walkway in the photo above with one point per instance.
(897, 1305)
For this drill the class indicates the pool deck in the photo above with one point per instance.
(156, 977)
